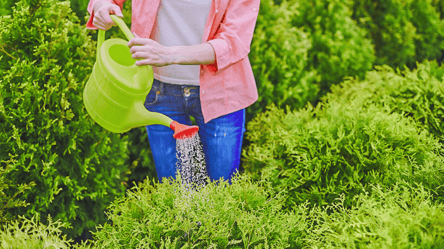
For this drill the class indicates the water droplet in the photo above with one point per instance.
(191, 161)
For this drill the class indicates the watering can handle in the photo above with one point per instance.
(126, 31)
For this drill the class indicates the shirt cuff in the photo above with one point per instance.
(222, 51)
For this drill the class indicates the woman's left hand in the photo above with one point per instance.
(149, 52)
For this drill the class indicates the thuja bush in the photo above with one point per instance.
(318, 154)
(339, 47)
(218, 215)
(9, 195)
(30, 233)
(140, 158)
(279, 57)
(79, 7)
(6, 6)
(403, 32)
(439, 5)
(429, 38)
(436, 70)
(47, 136)
(415, 93)
(401, 216)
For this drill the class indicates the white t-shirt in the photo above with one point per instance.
(180, 23)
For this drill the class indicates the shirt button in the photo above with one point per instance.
(203, 91)
(217, 11)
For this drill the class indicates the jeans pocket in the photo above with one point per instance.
(151, 98)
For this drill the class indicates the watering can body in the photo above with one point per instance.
(116, 90)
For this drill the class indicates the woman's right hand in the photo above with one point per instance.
(102, 10)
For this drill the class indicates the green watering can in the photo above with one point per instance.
(116, 90)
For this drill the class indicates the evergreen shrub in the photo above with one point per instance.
(32, 234)
(79, 7)
(9, 193)
(339, 47)
(47, 136)
(279, 57)
(403, 31)
(417, 93)
(218, 215)
(6, 7)
(436, 70)
(401, 216)
(439, 5)
(318, 154)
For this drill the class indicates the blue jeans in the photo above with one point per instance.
(221, 137)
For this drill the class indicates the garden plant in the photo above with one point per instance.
(343, 149)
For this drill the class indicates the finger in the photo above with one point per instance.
(101, 19)
(137, 49)
(143, 62)
(116, 10)
(98, 24)
(136, 41)
(140, 55)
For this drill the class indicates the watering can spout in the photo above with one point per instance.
(145, 118)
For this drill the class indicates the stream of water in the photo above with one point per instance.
(191, 161)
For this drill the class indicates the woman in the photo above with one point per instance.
(199, 53)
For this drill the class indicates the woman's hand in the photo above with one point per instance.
(102, 10)
(149, 52)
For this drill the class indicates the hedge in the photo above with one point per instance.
(401, 216)
(47, 136)
(403, 31)
(343, 146)
(30, 233)
(279, 58)
(340, 48)
(217, 215)
(415, 93)
(301, 48)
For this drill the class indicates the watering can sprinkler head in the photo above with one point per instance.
(183, 131)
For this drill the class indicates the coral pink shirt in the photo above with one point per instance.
(227, 85)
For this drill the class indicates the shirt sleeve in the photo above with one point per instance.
(232, 40)
(90, 9)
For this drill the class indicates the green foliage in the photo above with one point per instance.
(80, 8)
(436, 70)
(398, 217)
(31, 233)
(418, 94)
(429, 38)
(9, 193)
(47, 137)
(301, 48)
(403, 32)
(6, 7)
(439, 5)
(140, 157)
(218, 215)
(319, 154)
(279, 58)
(339, 48)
